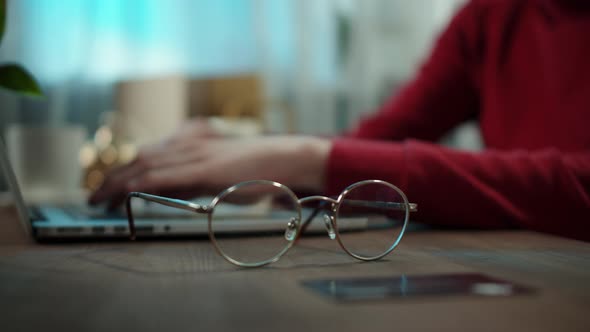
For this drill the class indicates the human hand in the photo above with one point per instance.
(186, 166)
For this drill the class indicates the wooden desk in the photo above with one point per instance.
(186, 286)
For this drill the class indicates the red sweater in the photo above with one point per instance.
(522, 68)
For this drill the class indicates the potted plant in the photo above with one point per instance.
(17, 79)
(13, 76)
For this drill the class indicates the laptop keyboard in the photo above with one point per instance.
(100, 213)
(91, 213)
(36, 215)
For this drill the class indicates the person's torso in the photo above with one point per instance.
(535, 77)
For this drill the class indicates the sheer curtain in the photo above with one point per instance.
(330, 59)
(78, 48)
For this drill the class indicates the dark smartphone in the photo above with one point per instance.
(373, 288)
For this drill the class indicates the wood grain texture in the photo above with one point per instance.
(186, 286)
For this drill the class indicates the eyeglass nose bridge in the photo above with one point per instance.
(328, 218)
(308, 199)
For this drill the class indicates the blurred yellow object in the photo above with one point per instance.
(103, 137)
(88, 155)
(103, 153)
(239, 101)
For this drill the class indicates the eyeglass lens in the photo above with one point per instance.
(255, 223)
(370, 218)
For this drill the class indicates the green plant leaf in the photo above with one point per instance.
(2, 18)
(16, 78)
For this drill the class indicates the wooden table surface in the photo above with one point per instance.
(186, 286)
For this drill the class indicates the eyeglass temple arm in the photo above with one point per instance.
(175, 203)
(387, 205)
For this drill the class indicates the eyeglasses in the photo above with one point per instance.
(254, 223)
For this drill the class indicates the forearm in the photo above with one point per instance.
(546, 190)
(308, 155)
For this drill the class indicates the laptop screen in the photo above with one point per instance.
(7, 173)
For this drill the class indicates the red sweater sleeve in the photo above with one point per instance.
(546, 190)
(442, 94)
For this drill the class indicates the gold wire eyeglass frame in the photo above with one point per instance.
(294, 227)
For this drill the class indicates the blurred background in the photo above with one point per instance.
(118, 74)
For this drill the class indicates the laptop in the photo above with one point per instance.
(80, 221)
